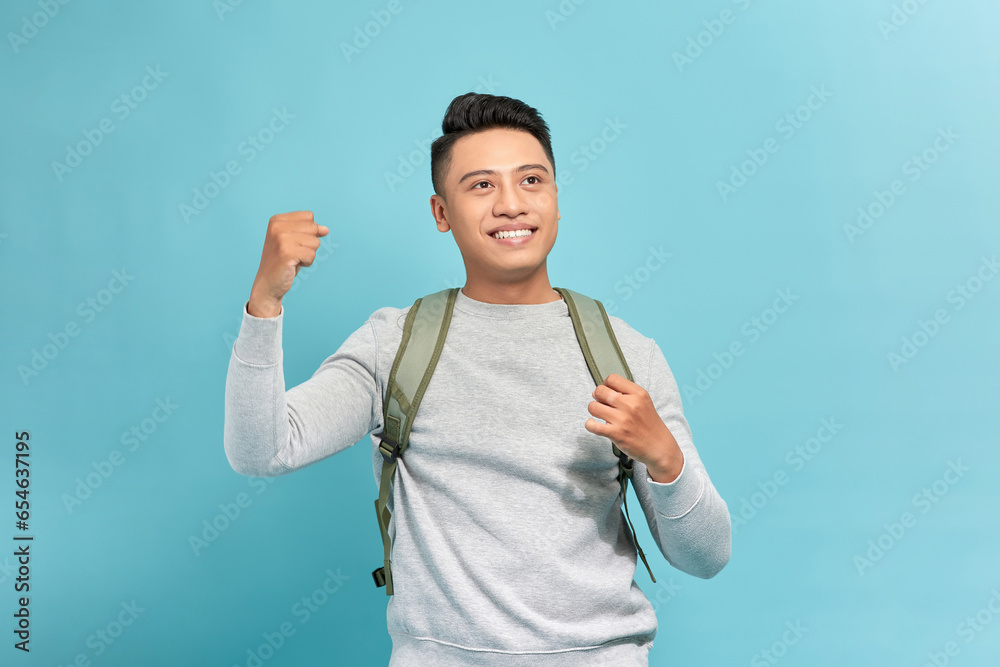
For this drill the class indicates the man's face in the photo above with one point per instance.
(499, 177)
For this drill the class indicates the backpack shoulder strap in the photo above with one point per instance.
(604, 357)
(423, 338)
(596, 337)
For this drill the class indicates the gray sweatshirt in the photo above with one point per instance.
(509, 543)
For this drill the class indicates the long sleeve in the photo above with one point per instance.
(269, 431)
(688, 518)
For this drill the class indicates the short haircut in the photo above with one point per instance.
(476, 112)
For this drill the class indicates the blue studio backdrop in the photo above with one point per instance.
(797, 201)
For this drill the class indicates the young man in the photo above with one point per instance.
(509, 545)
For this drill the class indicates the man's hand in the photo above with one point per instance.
(291, 243)
(635, 427)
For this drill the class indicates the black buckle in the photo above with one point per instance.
(625, 460)
(391, 453)
(379, 577)
(624, 467)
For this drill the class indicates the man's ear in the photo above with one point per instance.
(439, 211)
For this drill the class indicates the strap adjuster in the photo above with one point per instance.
(625, 460)
(379, 576)
(624, 467)
(388, 449)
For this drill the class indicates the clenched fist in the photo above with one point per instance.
(291, 243)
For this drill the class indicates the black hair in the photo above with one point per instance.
(476, 112)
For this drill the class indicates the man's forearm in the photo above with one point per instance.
(692, 522)
(256, 421)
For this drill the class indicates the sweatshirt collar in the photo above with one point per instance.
(511, 311)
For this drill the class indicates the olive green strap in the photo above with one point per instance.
(624, 474)
(423, 338)
(604, 357)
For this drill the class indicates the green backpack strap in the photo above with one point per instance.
(604, 357)
(423, 337)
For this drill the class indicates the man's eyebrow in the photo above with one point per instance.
(491, 172)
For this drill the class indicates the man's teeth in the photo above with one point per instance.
(514, 234)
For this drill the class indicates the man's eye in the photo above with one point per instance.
(480, 183)
(534, 177)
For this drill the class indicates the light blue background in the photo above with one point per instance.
(169, 332)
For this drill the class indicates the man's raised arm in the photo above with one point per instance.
(269, 431)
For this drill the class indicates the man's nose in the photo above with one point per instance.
(510, 201)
